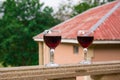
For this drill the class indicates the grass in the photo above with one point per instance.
(1, 65)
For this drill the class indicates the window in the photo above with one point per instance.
(75, 49)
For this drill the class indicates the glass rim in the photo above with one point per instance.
(85, 32)
(50, 32)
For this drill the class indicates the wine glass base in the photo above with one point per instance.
(52, 65)
(85, 62)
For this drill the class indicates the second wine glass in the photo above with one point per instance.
(52, 38)
(85, 39)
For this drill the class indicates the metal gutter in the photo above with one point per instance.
(74, 41)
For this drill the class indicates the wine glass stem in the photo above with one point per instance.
(85, 54)
(51, 55)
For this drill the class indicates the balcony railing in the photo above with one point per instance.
(97, 71)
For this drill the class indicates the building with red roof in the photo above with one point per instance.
(103, 20)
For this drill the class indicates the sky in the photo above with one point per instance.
(55, 3)
(52, 3)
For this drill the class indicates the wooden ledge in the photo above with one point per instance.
(63, 71)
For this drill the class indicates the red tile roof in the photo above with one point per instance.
(108, 29)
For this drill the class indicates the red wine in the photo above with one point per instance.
(52, 41)
(85, 41)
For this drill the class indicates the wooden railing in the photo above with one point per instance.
(97, 71)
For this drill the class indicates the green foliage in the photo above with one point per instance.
(110, 0)
(67, 9)
(81, 7)
(22, 20)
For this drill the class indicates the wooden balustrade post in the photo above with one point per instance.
(106, 77)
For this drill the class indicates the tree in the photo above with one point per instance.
(22, 20)
(81, 7)
(65, 9)
(87, 4)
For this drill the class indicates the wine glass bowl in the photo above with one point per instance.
(52, 38)
(85, 39)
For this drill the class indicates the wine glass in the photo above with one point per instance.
(85, 39)
(52, 38)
